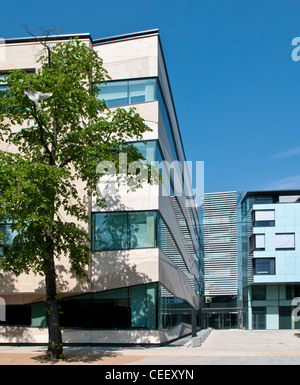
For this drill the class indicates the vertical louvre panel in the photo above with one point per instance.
(221, 244)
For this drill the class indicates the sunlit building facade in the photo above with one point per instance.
(271, 259)
(147, 274)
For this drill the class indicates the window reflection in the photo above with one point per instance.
(125, 230)
(6, 238)
(121, 93)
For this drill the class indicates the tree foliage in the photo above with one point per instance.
(55, 143)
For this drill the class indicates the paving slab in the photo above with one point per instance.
(221, 347)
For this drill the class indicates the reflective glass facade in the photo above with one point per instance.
(125, 230)
(127, 92)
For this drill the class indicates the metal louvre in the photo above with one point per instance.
(220, 244)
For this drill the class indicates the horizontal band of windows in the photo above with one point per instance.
(120, 93)
(125, 230)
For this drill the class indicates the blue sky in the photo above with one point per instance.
(235, 86)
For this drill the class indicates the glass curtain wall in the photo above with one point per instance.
(121, 93)
(125, 230)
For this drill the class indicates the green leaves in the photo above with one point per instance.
(59, 143)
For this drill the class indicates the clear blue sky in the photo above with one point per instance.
(235, 86)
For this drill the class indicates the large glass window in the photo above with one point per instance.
(263, 218)
(120, 308)
(257, 242)
(264, 266)
(142, 229)
(148, 149)
(289, 198)
(125, 230)
(110, 231)
(285, 241)
(258, 318)
(259, 293)
(121, 93)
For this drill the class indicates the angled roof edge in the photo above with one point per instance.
(127, 36)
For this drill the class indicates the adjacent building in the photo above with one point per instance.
(222, 260)
(271, 259)
(146, 278)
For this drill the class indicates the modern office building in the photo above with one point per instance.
(147, 271)
(271, 259)
(222, 260)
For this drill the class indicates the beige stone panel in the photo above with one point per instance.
(119, 198)
(22, 56)
(25, 55)
(32, 283)
(19, 334)
(122, 268)
(130, 58)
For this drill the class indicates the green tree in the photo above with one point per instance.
(60, 135)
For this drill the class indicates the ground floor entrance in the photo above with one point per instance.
(221, 319)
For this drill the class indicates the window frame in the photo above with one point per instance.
(252, 243)
(285, 248)
(272, 266)
(262, 223)
(127, 230)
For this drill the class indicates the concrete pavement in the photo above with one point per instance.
(222, 347)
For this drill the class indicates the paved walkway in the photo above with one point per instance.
(225, 347)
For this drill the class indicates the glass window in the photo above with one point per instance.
(125, 230)
(264, 266)
(263, 218)
(6, 237)
(110, 231)
(285, 241)
(257, 242)
(122, 93)
(141, 91)
(148, 150)
(114, 93)
(142, 227)
(258, 318)
(258, 293)
(3, 85)
(289, 198)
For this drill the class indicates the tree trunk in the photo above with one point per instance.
(55, 347)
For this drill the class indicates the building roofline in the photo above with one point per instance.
(127, 36)
(105, 40)
(271, 192)
(45, 38)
